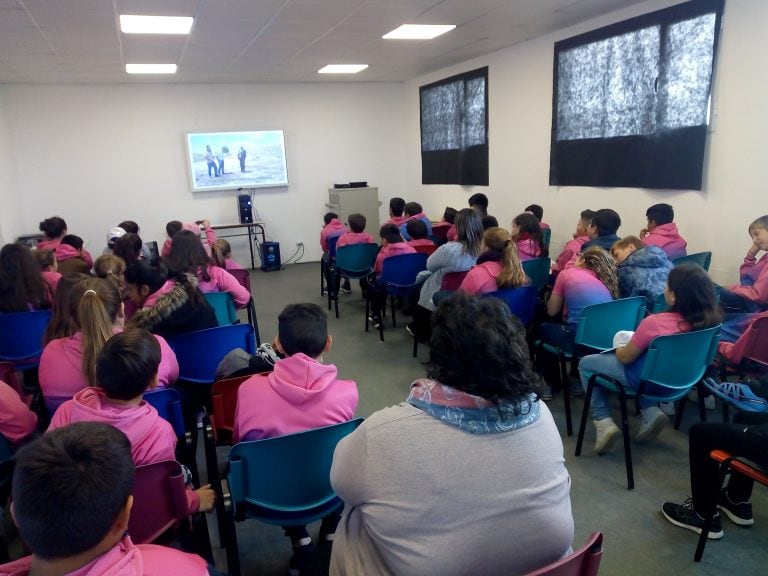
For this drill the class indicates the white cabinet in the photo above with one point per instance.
(346, 201)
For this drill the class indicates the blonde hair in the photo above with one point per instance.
(598, 260)
(112, 268)
(759, 224)
(626, 242)
(512, 274)
(220, 251)
(44, 257)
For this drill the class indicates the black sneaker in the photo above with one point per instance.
(740, 513)
(302, 560)
(684, 516)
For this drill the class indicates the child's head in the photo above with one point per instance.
(303, 328)
(172, 227)
(357, 222)
(512, 274)
(62, 324)
(390, 234)
(110, 267)
(71, 240)
(585, 219)
(469, 230)
(187, 253)
(72, 490)
(53, 227)
(220, 251)
(489, 222)
(601, 263)
(527, 225)
(621, 249)
(479, 203)
(417, 229)
(413, 208)
(691, 293)
(145, 278)
(396, 206)
(21, 283)
(449, 215)
(605, 222)
(659, 214)
(128, 247)
(127, 364)
(536, 210)
(46, 259)
(129, 226)
(330, 216)
(758, 231)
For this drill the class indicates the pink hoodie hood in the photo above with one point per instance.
(48, 244)
(65, 252)
(302, 379)
(667, 237)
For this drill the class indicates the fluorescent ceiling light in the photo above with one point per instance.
(418, 31)
(155, 24)
(342, 68)
(150, 68)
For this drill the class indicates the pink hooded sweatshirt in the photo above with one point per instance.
(481, 279)
(349, 238)
(66, 252)
(527, 249)
(572, 248)
(61, 372)
(754, 272)
(17, 422)
(389, 250)
(223, 281)
(734, 351)
(210, 238)
(51, 281)
(330, 230)
(127, 559)
(398, 220)
(668, 239)
(152, 438)
(299, 395)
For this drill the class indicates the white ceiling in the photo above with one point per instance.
(79, 41)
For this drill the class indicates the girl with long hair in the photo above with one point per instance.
(22, 287)
(497, 267)
(526, 234)
(221, 253)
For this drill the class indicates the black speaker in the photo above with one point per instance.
(270, 256)
(244, 204)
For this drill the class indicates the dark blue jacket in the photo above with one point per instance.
(644, 273)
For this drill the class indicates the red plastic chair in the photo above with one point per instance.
(159, 501)
(426, 249)
(223, 405)
(584, 562)
(243, 276)
(452, 280)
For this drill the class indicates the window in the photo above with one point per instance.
(631, 101)
(454, 130)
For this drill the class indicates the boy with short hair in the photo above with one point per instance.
(418, 233)
(641, 270)
(661, 231)
(331, 228)
(479, 203)
(71, 257)
(414, 211)
(357, 233)
(580, 237)
(71, 523)
(602, 229)
(396, 208)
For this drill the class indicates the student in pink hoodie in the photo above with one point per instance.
(526, 234)
(332, 229)
(17, 421)
(396, 209)
(661, 231)
(67, 365)
(414, 211)
(126, 368)
(300, 394)
(54, 229)
(22, 287)
(72, 525)
(221, 254)
(417, 230)
(46, 259)
(392, 244)
(175, 226)
(573, 247)
(72, 257)
(356, 233)
(537, 211)
(498, 266)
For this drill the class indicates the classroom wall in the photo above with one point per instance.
(100, 154)
(8, 207)
(520, 111)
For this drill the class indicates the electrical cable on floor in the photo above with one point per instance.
(291, 260)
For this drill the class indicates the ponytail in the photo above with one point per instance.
(598, 260)
(512, 274)
(220, 250)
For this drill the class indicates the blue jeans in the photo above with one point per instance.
(609, 365)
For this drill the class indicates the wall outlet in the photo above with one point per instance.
(299, 243)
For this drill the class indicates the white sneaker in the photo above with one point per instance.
(652, 421)
(606, 435)
(709, 401)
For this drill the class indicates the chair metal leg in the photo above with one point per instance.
(322, 277)
(230, 532)
(566, 384)
(702, 409)
(584, 414)
(710, 514)
(627, 444)
(367, 310)
(679, 411)
(392, 305)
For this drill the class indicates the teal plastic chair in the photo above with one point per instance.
(284, 481)
(224, 307)
(538, 271)
(200, 352)
(703, 259)
(660, 304)
(597, 326)
(673, 365)
(21, 337)
(353, 262)
(546, 236)
(521, 301)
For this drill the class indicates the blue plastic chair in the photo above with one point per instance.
(597, 326)
(537, 271)
(167, 402)
(21, 337)
(398, 277)
(703, 259)
(224, 307)
(521, 301)
(284, 481)
(200, 352)
(673, 365)
(354, 262)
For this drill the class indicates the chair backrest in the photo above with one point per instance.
(224, 403)
(356, 258)
(452, 280)
(9, 375)
(676, 362)
(5, 449)
(546, 236)
(332, 246)
(521, 301)
(703, 259)
(401, 270)
(584, 562)
(440, 232)
(159, 501)
(288, 473)
(167, 402)
(537, 271)
(427, 249)
(243, 277)
(200, 352)
(599, 323)
(223, 305)
(756, 349)
(660, 304)
(21, 336)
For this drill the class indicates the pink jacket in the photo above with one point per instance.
(572, 248)
(757, 272)
(481, 279)
(17, 422)
(349, 238)
(390, 250)
(210, 238)
(65, 252)
(451, 235)
(734, 351)
(151, 300)
(232, 265)
(527, 249)
(51, 281)
(127, 559)
(61, 374)
(397, 220)
(668, 239)
(420, 242)
(300, 394)
(333, 228)
(223, 281)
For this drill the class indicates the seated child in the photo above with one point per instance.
(537, 211)
(418, 233)
(175, 226)
(602, 230)
(49, 269)
(221, 253)
(128, 247)
(414, 211)
(396, 208)
(113, 234)
(526, 234)
(642, 270)
(489, 222)
(751, 295)
(170, 229)
(479, 203)
(661, 231)
(22, 287)
(449, 233)
(17, 422)
(580, 237)
(132, 227)
(300, 394)
(356, 233)
(72, 257)
(126, 368)
(497, 267)
(70, 522)
(332, 228)
(392, 244)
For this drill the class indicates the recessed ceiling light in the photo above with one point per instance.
(418, 31)
(155, 24)
(150, 68)
(342, 68)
